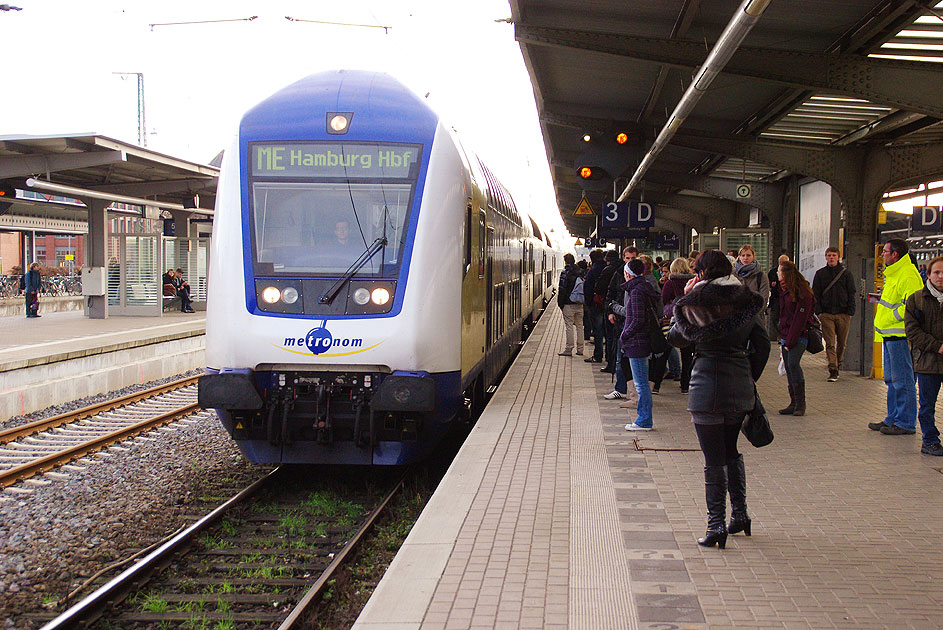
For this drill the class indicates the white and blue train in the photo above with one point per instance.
(369, 281)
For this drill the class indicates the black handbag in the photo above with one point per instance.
(756, 425)
(656, 337)
(814, 334)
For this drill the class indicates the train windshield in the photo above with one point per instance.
(305, 226)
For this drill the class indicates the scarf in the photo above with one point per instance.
(742, 271)
(937, 294)
(724, 281)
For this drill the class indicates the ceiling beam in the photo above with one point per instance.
(146, 189)
(28, 165)
(679, 30)
(910, 85)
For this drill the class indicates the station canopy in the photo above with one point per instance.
(90, 162)
(811, 74)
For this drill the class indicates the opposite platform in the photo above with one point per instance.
(64, 356)
(553, 516)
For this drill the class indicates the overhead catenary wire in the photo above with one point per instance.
(386, 29)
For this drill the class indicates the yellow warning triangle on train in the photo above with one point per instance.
(584, 209)
(578, 243)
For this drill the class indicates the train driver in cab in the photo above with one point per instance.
(341, 234)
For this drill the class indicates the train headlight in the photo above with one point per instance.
(380, 296)
(290, 295)
(361, 296)
(339, 123)
(271, 295)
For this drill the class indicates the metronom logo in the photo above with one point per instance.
(320, 342)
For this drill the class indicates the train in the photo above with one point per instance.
(370, 278)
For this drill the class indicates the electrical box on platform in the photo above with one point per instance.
(93, 281)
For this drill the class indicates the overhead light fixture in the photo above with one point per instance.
(587, 137)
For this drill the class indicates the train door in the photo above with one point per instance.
(489, 282)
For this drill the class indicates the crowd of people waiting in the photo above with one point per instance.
(702, 321)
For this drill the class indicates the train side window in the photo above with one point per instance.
(468, 239)
(481, 245)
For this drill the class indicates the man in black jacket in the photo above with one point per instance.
(600, 294)
(596, 310)
(834, 290)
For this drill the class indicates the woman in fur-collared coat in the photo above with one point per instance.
(718, 314)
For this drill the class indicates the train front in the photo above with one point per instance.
(325, 340)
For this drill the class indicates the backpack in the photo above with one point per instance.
(576, 295)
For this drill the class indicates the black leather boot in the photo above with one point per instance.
(737, 486)
(799, 389)
(788, 411)
(715, 488)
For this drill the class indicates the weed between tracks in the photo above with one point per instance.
(354, 583)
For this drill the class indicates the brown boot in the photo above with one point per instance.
(799, 389)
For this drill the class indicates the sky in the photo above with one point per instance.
(200, 78)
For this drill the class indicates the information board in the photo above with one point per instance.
(352, 160)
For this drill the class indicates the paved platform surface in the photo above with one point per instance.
(553, 516)
(67, 335)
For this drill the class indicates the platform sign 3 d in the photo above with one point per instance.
(628, 214)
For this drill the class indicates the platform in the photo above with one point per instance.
(63, 356)
(553, 516)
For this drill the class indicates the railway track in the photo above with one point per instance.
(37, 447)
(259, 560)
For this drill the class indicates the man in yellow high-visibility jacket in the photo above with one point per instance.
(901, 279)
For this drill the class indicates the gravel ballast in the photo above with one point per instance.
(63, 527)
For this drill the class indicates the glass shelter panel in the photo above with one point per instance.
(760, 239)
(134, 275)
(191, 256)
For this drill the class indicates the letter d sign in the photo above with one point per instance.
(927, 220)
(641, 215)
(928, 216)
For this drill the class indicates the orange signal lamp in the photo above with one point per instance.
(586, 172)
(622, 137)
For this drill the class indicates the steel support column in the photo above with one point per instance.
(96, 254)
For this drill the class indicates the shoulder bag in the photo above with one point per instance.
(756, 425)
(656, 338)
(814, 334)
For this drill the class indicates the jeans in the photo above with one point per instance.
(622, 384)
(674, 362)
(929, 390)
(640, 378)
(835, 333)
(901, 389)
(573, 318)
(791, 358)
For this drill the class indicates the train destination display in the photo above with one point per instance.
(333, 159)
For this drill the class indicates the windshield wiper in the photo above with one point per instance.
(369, 253)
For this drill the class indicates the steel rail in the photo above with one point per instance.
(110, 592)
(332, 568)
(41, 465)
(25, 430)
